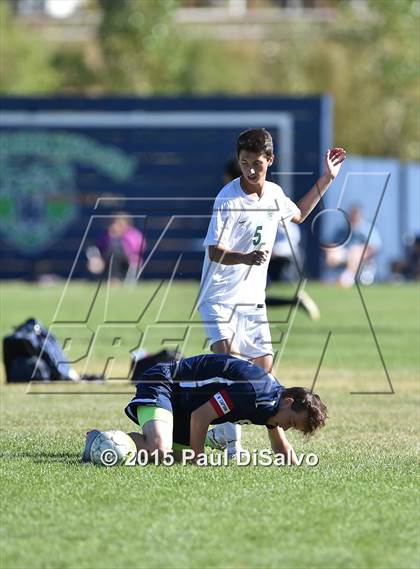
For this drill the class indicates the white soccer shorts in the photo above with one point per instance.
(246, 326)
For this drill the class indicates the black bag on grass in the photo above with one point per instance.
(140, 365)
(21, 351)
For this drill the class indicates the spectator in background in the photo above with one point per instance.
(285, 261)
(409, 268)
(286, 253)
(355, 243)
(231, 171)
(121, 250)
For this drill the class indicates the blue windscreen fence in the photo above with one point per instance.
(69, 164)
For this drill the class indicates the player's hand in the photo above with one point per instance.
(256, 257)
(334, 157)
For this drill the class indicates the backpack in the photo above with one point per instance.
(142, 362)
(31, 353)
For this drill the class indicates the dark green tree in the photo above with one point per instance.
(140, 48)
(368, 59)
(25, 58)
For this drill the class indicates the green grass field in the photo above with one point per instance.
(359, 508)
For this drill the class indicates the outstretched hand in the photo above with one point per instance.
(334, 157)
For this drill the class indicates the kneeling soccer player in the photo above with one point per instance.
(176, 402)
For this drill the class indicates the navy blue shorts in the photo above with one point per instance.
(156, 392)
(153, 392)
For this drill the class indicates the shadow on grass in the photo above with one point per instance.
(45, 457)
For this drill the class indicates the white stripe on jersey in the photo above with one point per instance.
(205, 382)
(266, 402)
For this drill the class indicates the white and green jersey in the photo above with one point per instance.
(242, 223)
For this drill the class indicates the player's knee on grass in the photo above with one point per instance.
(156, 438)
(157, 425)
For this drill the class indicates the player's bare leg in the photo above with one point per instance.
(354, 256)
(157, 436)
(225, 346)
(265, 362)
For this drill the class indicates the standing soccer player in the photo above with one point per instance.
(239, 243)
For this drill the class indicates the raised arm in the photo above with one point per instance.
(334, 158)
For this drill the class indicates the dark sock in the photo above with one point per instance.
(280, 301)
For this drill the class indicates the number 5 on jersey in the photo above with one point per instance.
(257, 235)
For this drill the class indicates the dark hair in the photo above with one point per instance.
(122, 215)
(256, 140)
(232, 169)
(306, 400)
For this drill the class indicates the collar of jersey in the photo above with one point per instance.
(247, 196)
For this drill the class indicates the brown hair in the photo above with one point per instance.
(306, 400)
(256, 140)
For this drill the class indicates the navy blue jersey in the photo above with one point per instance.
(238, 390)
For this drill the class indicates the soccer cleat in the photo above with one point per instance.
(90, 437)
(225, 436)
(308, 305)
(216, 438)
(233, 451)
